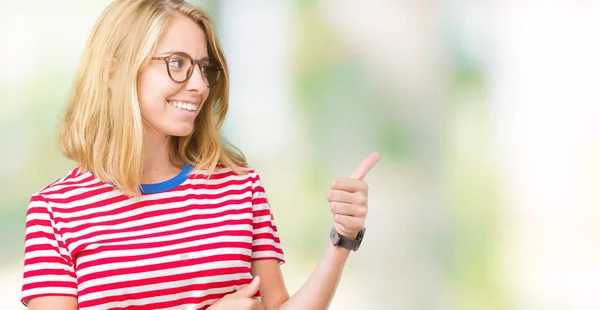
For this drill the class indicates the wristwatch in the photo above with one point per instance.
(345, 242)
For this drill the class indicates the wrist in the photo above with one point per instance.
(342, 241)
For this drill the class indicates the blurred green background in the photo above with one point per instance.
(485, 113)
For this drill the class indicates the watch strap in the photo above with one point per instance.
(348, 243)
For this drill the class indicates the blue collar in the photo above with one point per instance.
(168, 184)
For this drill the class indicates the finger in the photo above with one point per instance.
(250, 289)
(349, 185)
(347, 209)
(365, 166)
(257, 305)
(358, 199)
(348, 223)
(344, 231)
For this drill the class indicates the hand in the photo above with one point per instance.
(241, 299)
(348, 199)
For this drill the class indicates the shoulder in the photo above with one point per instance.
(73, 176)
(225, 173)
(226, 178)
(70, 186)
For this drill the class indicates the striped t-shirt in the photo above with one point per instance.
(183, 244)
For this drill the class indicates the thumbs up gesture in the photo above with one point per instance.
(348, 199)
(241, 299)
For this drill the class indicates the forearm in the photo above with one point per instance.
(319, 289)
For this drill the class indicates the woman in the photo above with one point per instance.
(161, 213)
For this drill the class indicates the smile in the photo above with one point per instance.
(183, 105)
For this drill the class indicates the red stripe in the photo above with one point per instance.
(39, 234)
(76, 198)
(45, 259)
(160, 224)
(225, 184)
(217, 175)
(47, 284)
(166, 279)
(156, 213)
(109, 260)
(174, 303)
(260, 225)
(30, 297)
(155, 225)
(266, 248)
(45, 272)
(267, 236)
(162, 266)
(163, 292)
(75, 185)
(146, 203)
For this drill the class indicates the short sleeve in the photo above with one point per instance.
(265, 238)
(48, 267)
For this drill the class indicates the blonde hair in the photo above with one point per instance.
(103, 127)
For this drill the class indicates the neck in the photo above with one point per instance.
(157, 165)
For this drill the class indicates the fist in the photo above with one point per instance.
(348, 199)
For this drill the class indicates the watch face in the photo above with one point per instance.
(361, 234)
(335, 238)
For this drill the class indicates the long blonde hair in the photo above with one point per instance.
(103, 128)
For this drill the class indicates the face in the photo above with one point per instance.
(169, 108)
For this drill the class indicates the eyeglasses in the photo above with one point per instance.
(180, 67)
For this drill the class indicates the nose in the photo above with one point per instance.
(197, 82)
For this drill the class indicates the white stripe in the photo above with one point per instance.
(266, 254)
(40, 253)
(80, 202)
(168, 285)
(48, 290)
(259, 194)
(221, 180)
(38, 204)
(45, 265)
(164, 259)
(128, 225)
(161, 273)
(145, 301)
(111, 194)
(264, 230)
(262, 219)
(263, 241)
(48, 278)
(207, 202)
(35, 229)
(75, 189)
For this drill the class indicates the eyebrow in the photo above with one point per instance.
(171, 52)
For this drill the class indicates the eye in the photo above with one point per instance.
(176, 63)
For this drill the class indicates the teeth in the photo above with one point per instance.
(183, 105)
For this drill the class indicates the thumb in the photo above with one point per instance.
(250, 289)
(365, 166)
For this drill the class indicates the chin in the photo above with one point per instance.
(182, 131)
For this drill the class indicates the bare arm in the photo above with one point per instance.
(319, 289)
(53, 303)
(348, 203)
(316, 293)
